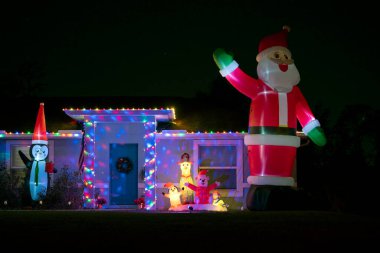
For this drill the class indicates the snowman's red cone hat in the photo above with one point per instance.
(39, 134)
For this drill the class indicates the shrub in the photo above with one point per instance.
(11, 188)
(66, 191)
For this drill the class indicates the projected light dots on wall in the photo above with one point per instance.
(148, 117)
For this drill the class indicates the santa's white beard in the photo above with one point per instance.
(269, 72)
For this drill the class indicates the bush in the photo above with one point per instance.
(66, 191)
(12, 188)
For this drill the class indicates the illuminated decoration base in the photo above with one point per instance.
(198, 207)
(147, 117)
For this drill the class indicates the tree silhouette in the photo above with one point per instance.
(346, 169)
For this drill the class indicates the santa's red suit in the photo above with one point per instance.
(202, 193)
(271, 138)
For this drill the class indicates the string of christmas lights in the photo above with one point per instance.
(150, 165)
(122, 111)
(10, 134)
(89, 165)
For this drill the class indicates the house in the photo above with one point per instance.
(64, 150)
(124, 157)
(114, 134)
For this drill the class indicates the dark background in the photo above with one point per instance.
(164, 48)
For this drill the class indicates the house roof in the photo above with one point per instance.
(161, 115)
(61, 134)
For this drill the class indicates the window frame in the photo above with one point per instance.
(17, 147)
(238, 192)
(23, 143)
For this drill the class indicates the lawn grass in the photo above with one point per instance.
(287, 231)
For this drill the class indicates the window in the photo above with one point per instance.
(223, 161)
(13, 158)
(16, 162)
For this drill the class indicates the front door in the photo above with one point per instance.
(124, 174)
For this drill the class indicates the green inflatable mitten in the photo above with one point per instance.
(222, 58)
(317, 136)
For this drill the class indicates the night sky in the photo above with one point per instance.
(164, 48)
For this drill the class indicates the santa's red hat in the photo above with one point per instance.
(39, 135)
(216, 192)
(168, 185)
(273, 42)
(202, 172)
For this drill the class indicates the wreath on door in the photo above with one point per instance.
(124, 165)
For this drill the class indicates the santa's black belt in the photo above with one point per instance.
(272, 130)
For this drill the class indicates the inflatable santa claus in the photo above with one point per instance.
(277, 103)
